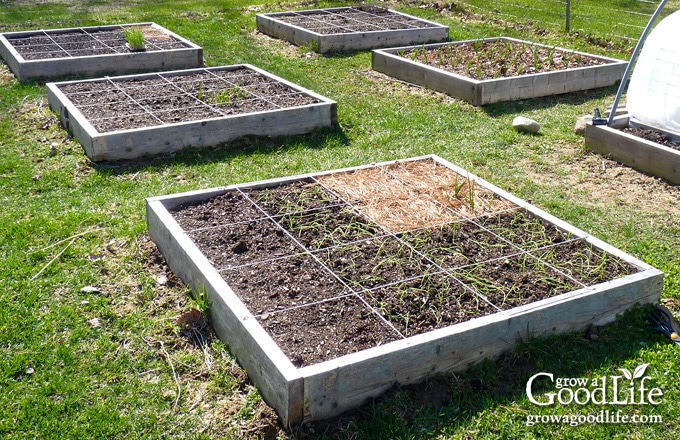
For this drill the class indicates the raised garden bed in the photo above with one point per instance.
(497, 69)
(332, 287)
(347, 29)
(637, 145)
(129, 116)
(95, 51)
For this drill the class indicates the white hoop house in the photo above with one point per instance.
(654, 91)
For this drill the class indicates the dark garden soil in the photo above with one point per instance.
(327, 330)
(221, 210)
(77, 43)
(283, 283)
(293, 197)
(484, 60)
(325, 280)
(328, 227)
(653, 136)
(365, 18)
(237, 244)
(515, 281)
(128, 103)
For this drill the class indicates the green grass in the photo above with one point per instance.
(615, 26)
(111, 362)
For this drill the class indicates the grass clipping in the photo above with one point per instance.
(415, 194)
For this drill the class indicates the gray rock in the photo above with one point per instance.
(580, 126)
(526, 125)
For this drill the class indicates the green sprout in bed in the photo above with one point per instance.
(135, 39)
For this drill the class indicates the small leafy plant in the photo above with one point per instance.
(229, 96)
(135, 39)
(200, 300)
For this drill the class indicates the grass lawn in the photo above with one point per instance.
(90, 345)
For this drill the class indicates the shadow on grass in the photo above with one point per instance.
(244, 146)
(523, 105)
(453, 401)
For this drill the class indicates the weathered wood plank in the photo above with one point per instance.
(391, 64)
(490, 91)
(130, 144)
(278, 380)
(324, 43)
(332, 387)
(190, 56)
(641, 154)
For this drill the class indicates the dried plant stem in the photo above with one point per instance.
(166, 355)
(72, 238)
(53, 259)
(168, 359)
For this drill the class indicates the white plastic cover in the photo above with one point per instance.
(653, 95)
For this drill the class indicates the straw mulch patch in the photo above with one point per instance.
(412, 195)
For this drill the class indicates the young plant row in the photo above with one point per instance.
(490, 59)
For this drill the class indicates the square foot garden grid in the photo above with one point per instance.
(95, 51)
(636, 151)
(497, 69)
(348, 29)
(126, 117)
(331, 287)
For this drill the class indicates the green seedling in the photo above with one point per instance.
(441, 55)
(200, 300)
(471, 193)
(135, 39)
(230, 96)
(457, 187)
(551, 55)
(535, 52)
(201, 91)
(476, 45)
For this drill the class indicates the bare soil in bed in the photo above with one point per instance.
(160, 99)
(653, 136)
(357, 19)
(324, 279)
(79, 43)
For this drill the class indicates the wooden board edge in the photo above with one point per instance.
(332, 389)
(276, 377)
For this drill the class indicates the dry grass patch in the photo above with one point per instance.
(391, 195)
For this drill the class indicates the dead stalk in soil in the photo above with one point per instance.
(166, 357)
(72, 238)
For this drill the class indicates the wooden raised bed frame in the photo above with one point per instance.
(641, 154)
(328, 388)
(483, 92)
(343, 42)
(133, 143)
(187, 57)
